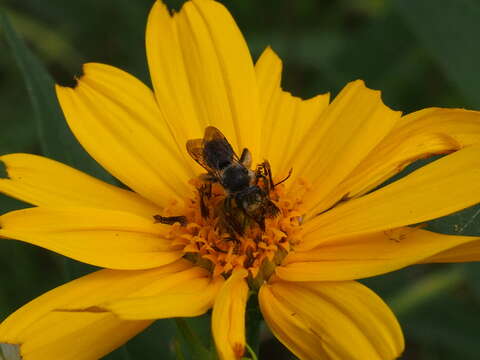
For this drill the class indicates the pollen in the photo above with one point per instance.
(209, 242)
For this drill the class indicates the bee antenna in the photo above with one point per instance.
(285, 179)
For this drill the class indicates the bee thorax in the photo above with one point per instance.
(235, 178)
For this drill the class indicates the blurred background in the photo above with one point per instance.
(419, 53)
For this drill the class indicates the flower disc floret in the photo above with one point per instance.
(207, 241)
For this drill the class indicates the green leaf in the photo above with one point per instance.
(49, 42)
(155, 343)
(253, 324)
(56, 139)
(125, 353)
(179, 350)
(425, 289)
(465, 222)
(446, 327)
(192, 342)
(448, 30)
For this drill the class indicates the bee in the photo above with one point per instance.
(245, 199)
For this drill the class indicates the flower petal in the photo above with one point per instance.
(116, 119)
(437, 189)
(45, 182)
(169, 76)
(462, 253)
(190, 298)
(203, 73)
(43, 331)
(106, 238)
(332, 320)
(352, 125)
(416, 136)
(228, 318)
(367, 255)
(287, 119)
(50, 338)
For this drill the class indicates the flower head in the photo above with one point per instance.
(181, 242)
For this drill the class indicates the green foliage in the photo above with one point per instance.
(55, 138)
(192, 343)
(448, 30)
(419, 53)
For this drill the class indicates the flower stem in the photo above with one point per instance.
(251, 352)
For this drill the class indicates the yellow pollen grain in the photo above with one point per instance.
(208, 244)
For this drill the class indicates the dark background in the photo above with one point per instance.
(419, 53)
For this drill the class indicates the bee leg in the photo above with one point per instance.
(205, 191)
(245, 220)
(264, 172)
(227, 205)
(208, 178)
(259, 218)
(170, 220)
(268, 175)
(261, 223)
(259, 174)
(246, 158)
(230, 217)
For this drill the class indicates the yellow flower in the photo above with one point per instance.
(332, 228)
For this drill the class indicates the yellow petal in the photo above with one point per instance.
(447, 185)
(354, 123)
(43, 332)
(116, 119)
(331, 320)
(87, 336)
(367, 255)
(462, 253)
(203, 73)
(228, 318)
(169, 76)
(41, 181)
(192, 297)
(287, 119)
(416, 136)
(106, 238)
(100, 334)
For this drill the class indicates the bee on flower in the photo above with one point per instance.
(181, 242)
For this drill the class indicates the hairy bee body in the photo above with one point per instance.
(243, 191)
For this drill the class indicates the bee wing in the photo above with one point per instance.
(223, 146)
(212, 133)
(266, 209)
(270, 210)
(195, 149)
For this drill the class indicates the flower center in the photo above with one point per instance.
(208, 239)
